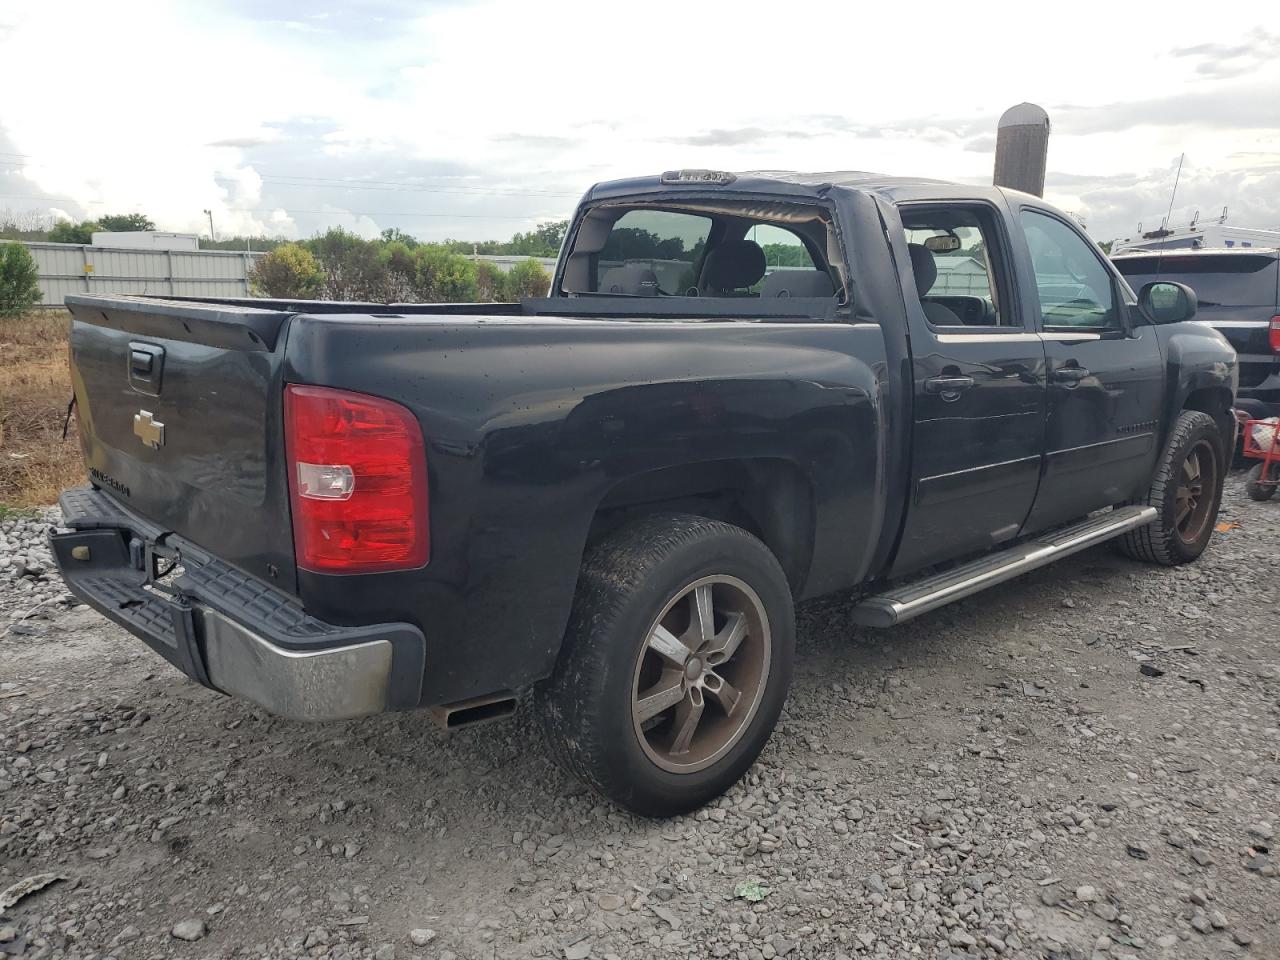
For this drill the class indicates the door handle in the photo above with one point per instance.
(1070, 375)
(949, 388)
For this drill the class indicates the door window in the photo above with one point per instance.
(1075, 288)
(954, 261)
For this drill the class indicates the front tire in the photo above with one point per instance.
(1256, 488)
(675, 666)
(1186, 490)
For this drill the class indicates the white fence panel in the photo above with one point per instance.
(67, 268)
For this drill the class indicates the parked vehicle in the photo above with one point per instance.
(1239, 296)
(741, 392)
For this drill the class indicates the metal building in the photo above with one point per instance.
(1022, 149)
(65, 268)
(145, 240)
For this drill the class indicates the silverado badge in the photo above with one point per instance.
(148, 429)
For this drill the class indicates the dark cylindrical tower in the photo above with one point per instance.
(1022, 148)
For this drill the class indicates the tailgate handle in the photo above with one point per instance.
(146, 365)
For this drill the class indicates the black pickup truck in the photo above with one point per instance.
(742, 391)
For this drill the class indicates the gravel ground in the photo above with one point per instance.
(1081, 763)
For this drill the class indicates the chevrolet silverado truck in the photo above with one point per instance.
(741, 391)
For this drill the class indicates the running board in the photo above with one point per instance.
(901, 604)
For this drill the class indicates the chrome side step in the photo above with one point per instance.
(902, 603)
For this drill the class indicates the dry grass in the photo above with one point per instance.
(35, 462)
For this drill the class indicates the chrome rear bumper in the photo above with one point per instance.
(227, 630)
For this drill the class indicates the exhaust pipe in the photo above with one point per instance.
(467, 713)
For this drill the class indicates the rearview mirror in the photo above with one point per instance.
(947, 243)
(1164, 301)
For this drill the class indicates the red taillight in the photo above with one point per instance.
(357, 482)
(1275, 334)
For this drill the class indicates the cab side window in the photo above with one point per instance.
(1076, 291)
(955, 261)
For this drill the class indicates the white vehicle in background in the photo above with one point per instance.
(1198, 234)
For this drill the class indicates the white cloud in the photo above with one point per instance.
(501, 112)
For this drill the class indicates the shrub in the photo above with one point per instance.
(527, 279)
(444, 277)
(399, 261)
(289, 272)
(352, 268)
(19, 286)
(491, 283)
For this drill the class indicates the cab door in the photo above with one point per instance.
(1105, 375)
(979, 394)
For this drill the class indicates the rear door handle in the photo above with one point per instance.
(1071, 375)
(949, 388)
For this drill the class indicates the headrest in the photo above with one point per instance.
(797, 283)
(733, 265)
(923, 266)
(633, 278)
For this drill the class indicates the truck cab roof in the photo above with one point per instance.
(801, 186)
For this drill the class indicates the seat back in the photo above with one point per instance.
(798, 283)
(635, 279)
(733, 265)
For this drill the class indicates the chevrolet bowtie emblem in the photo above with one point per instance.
(148, 429)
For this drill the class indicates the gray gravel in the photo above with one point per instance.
(28, 577)
(1079, 764)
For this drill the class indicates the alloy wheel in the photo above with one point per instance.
(701, 673)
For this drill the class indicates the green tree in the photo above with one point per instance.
(544, 241)
(64, 231)
(125, 222)
(527, 279)
(19, 286)
(396, 235)
(254, 244)
(288, 272)
(1106, 246)
(786, 255)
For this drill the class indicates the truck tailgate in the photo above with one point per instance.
(180, 420)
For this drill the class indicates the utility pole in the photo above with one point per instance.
(212, 235)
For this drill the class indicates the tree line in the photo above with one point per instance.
(543, 241)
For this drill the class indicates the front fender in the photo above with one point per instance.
(1201, 370)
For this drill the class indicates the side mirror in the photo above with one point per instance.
(1164, 301)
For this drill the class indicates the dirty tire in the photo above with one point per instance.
(1161, 541)
(625, 584)
(1255, 488)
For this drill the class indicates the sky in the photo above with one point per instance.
(476, 120)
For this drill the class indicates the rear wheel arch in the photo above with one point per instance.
(770, 498)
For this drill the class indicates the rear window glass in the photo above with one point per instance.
(1245, 280)
(669, 244)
